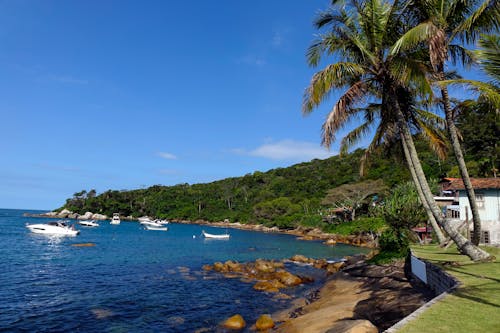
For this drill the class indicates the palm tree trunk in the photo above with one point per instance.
(439, 234)
(463, 244)
(457, 150)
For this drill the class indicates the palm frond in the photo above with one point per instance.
(489, 55)
(485, 18)
(437, 139)
(333, 76)
(343, 109)
(488, 92)
(421, 33)
(353, 137)
(461, 55)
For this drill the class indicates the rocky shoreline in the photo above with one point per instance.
(358, 297)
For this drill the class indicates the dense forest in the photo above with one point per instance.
(287, 197)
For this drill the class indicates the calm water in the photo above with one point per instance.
(135, 280)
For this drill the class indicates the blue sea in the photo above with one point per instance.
(134, 280)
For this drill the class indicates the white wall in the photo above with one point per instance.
(489, 212)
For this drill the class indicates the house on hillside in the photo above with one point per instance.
(455, 204)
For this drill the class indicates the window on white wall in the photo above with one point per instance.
(480, 199)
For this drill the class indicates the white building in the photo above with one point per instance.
(487, 192)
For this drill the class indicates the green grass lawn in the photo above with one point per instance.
(474, 306)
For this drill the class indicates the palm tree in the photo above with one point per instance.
(360, 35)
(387, 133)
(440, 24)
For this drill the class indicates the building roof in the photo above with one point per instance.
(477, 183)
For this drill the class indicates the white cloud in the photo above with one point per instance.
(167, 156)
(277, 40)
(288, 150)
(251, 60)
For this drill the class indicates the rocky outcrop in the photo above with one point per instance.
(86, 216)
(353, 326)
(360, 298)
(270, 275)
(67, 214)
(264, 322)
(235, 322)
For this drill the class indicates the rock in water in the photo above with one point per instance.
(83, 244)
(235, 322)
(265, 322)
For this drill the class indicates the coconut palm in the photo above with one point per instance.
(386, 133)
(445, 25)
(359, 37)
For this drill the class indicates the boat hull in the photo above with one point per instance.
(148, 227)
(212, 236)
(52, 230)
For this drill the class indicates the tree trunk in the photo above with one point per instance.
(457, 150)
(463, 244)
(441, 238)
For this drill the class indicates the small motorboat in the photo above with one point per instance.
(59, 228)
(151, 223)
(89, 223)
(161, 228)
(221, 236)
(144, 219)
(115, 219)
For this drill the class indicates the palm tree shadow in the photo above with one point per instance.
(458, 270)
(473, 293)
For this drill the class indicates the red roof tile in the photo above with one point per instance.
(477, 183)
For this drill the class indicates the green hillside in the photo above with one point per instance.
(281, 197)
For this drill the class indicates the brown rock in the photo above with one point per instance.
(219, 267)
(353, 326)
(288, 278)
(233, 266)
(299, 258)
(264, 266)
(272, 286)
(264, 322)
(331, 241)
(235, 322)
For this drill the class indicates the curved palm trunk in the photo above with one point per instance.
(457, 150)
(439, 234)
(463, 244)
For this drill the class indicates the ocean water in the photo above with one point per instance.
(134, 280)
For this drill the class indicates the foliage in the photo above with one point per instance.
(395, 242)
(402, 210)
(354, 195)
(362, 225)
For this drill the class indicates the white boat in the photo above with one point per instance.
(144, 219)
(87, 223)
(53, 228)
(151, 223)
(149, 227)
(115, 219)
(222, 236)
(163, 222)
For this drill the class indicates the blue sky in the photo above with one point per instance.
(127, 94)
